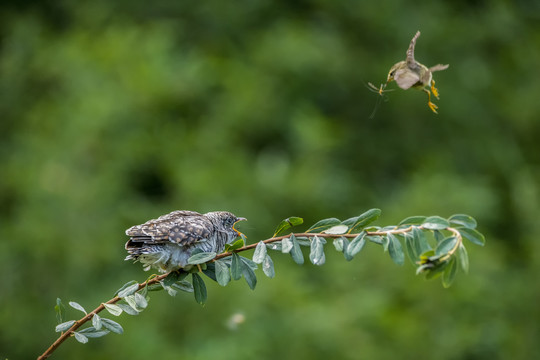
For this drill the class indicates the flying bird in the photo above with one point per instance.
(410, 73)
(166, 243)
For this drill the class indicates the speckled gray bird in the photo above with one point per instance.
(166, 243)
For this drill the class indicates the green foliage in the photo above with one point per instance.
(113, 309)
(443, 260)
(395, 249)
(199, 288)
(60, 310)
(355, 246)
(357, 223)
(128, 289)
(201, 258)
(112, 326)
(287, 224)
(64, 326)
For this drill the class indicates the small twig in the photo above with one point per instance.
(89, 316)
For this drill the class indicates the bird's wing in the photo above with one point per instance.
(159, 230)
(411, 63)
(187, 231)
(438, 67)
(405, 79)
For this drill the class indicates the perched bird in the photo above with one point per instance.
(410, 73)
(167, 242)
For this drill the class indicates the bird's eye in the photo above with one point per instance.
(392, 73)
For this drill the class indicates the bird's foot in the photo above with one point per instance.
(433, 107)
(434, 89)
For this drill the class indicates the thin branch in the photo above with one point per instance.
(158, 278)
(89, 316)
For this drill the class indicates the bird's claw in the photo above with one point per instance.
(433, 107)
(434, 89)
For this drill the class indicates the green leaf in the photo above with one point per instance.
(60, 310)
(339, 244)
(131, 302)
(200, 288)
(375, 239)
(223, 275)
(346, 243)
(64, 326)
(125, 286)
(249, 262)
(128, 309)
(209, 269)
(170, 279)
(439, 236)
(296, 251)
(77, 306)
(359, 222)
(249, 274)
(336, 230)
(323, 225)
(154, 287)
(268, 266)
(395, 250)
(169, 290)
(286, 245)
(276, 245)
(355, 246)
(420, 242)
(113, 309)
(287, 224)
(413, 220)
(446, 245)
(449, 273)
(141, 301)
(436, 271)
(112, 326)
(235, 245)
(201, 258)
(316, 254)
(92, 332)
(303, 241)
(80, 337)
(463, 220)
(463, 258)
(411, 251)
(96, 321)
(236, 267)
(435, 223)
(173, 277)
(472, 235)
(129, 290)
(385, 242)
(183, 285)
(260, 253)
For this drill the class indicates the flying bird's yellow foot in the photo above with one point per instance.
(434, 89)
(433, 107)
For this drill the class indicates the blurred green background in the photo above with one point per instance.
(113, 113)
